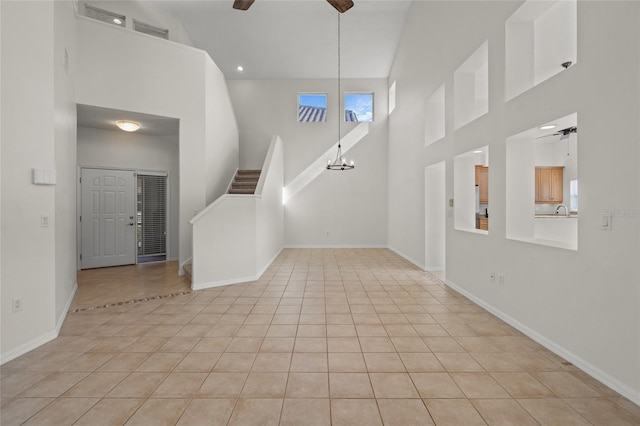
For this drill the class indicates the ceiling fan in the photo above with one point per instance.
(340, 5)
(564, 133)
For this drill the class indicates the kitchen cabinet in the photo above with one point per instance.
(484, 223)
(482, 180)
(549, 183)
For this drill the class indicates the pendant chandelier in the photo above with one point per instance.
(340, 163)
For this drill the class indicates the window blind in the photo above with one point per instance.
(152, 215)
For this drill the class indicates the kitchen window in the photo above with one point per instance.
(573, 195)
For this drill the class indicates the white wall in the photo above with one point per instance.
(135, 72)
(237, 237)
(64, 48)
(435, 220)
(270, 210)
(223, 238)
(350, 206)
(464, 199)
(38, 117)
(520, 185)
(585, 304)
(221, 157)
(137, 151)
(145, 12)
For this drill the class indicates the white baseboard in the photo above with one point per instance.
(344, 246)
(213, 284)
(204, 286)
(40, 340)
(67, 305)
(28, 346)
(268, 263)
(408, 258)
(434, 268)
(587, 367)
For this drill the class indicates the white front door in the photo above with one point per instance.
(108, 218)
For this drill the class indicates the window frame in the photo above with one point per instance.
(326, 106)
(344, 107)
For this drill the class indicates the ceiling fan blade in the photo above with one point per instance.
(546, 136)
(341, 5)
(242, 4)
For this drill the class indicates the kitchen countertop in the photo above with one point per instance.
(555, 216)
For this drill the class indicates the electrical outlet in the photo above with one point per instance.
(492, 277)
(16, 305)
(501, 279)
(44, 221)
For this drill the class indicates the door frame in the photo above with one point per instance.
(125, 169)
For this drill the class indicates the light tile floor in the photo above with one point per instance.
(103, 286)
(342, 337)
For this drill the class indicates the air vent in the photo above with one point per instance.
(104, 15)
(151, 30)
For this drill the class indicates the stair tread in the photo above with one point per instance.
(245, 182)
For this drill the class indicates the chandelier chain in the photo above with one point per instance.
(339, 163)
(339, 96)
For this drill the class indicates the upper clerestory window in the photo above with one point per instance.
(358, 107)
(105, 16)
(151, 30)
(312, 107)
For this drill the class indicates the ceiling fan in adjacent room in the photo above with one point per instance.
(340, 5)
(564, 133)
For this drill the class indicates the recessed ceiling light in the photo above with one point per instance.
(127, 125)
(477, 152)
(117, 21)
(547, 127)
(240, 68)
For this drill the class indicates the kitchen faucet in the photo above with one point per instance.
(566, 210)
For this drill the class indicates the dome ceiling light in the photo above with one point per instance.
(128, 125)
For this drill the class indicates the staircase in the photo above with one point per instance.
(245, 182)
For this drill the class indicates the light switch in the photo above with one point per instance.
(606, 221)
(43, 177)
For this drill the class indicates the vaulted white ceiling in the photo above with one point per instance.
(290, 39)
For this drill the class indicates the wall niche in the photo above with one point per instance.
(540, 42)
